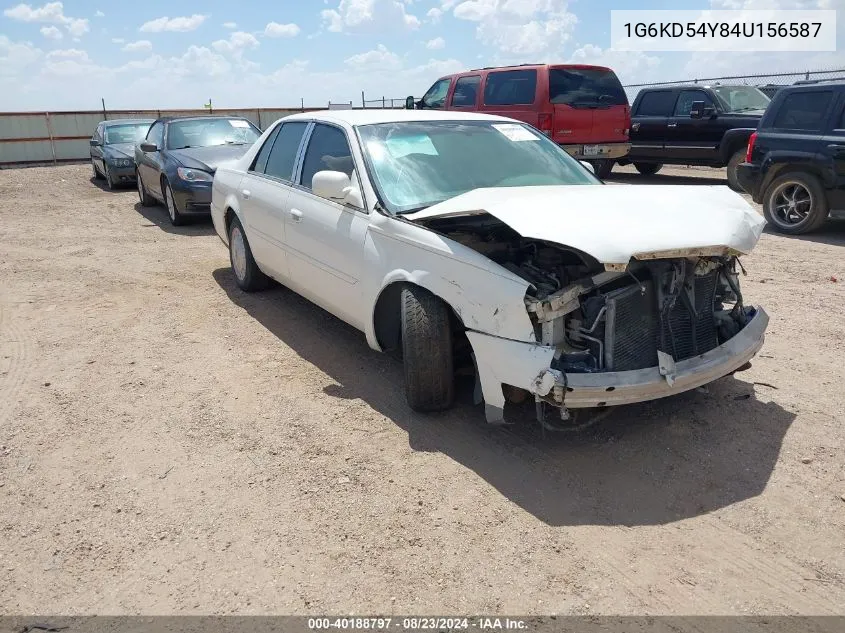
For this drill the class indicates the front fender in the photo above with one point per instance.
(486, 297)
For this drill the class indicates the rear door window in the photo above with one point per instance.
(585, 86)
(510, 87)
(282, 157)
(657, 103)
(466, 91)
(803, 111)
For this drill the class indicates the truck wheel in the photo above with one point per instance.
(647, 169)
(427, 350)
(795, 203)
(737, 158)
(602, 167)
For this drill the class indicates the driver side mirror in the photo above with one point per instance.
(696, 110)
(709, 112)
(149, 147)
(94, 142)
(410, 104)
(337, 187)
(588, 166)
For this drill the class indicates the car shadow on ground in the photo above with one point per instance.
(643, 465)
(831, 232)
(157, 216)
(662, 179)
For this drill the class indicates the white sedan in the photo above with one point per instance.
(467, 238)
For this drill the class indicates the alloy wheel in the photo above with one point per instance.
(238, 253)
(791, 203)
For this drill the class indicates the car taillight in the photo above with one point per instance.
(545, 124)
(751, 140)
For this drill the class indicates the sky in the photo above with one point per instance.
(163, 54)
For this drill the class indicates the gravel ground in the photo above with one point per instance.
(172, 445)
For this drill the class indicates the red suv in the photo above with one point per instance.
(582, 108)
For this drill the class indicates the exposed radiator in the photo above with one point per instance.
(633, 328)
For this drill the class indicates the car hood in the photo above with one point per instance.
(209, 158)
(120, 150)
(613, 223)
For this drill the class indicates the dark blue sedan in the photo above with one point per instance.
(113, 149)
(177, 160)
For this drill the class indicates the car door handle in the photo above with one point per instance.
(671, 125)
(246, 193)
(296, 215)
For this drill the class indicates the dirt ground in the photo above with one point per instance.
(173, 445)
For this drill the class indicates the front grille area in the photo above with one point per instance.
(633, 329)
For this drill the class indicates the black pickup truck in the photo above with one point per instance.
(694, 125)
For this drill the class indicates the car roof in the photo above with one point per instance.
(124, 121)
(195, 117)
(373, 115)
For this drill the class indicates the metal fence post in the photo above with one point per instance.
(363, 101)
(50, 134)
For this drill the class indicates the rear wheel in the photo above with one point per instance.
(647, 169)
(247, 274)
(602, 167)
(176, 217)
(427, 352)
(795, 203)
(737, 158)
(146, 199)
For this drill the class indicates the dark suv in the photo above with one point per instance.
(694, 125)
(795, 161)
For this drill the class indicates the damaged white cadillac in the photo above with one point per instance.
(451, 236)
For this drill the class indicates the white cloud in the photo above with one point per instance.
(51, 32)
(522, 29)
(50, 13)
(15, 57)
(368, 15)
(99, 14)
(274, 29)
(434, 15)
(179, 25)
(238, 42)
(629, 66)
(230, 25)
(141, 46)
(380, 59)
(436, 44)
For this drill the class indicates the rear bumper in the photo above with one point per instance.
(749, 178)
(527, 366)
(602, 150)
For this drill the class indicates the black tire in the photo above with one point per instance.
(146, 199)
(427, 350)
(602, 167)
(176, 217)
(109, 181)
(647, 169)
(247, 274)
(737, 158)
(97, 174)
(809, 211)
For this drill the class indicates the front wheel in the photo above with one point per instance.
(795, 203)
(97, 175)
(176, 217)
(737, 158)
(109, 181)
(427, 350)
(647, 169)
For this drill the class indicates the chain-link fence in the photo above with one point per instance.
(383, 102)
(769, 84)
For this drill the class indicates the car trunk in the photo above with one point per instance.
(589, 105)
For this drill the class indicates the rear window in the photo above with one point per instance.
(803, 110)
(510, 87)
(657, 103)
(585, 86)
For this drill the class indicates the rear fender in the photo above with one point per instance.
(732, 141)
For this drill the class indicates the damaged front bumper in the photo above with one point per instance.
(528, 366)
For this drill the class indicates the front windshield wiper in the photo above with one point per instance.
(185, 147)
(235, 142)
